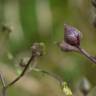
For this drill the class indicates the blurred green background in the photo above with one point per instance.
(42, 21)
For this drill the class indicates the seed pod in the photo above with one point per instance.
(71, 35)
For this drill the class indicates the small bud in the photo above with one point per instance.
(85, 86)
(71, 35)
(66, 47)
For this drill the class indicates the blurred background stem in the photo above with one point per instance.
(12, 19)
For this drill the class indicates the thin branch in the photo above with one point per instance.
(3, 84)
(64, 87)
(37, 50)
(86, 54)
(16, 79)
(58, 78)
(22, 74)
(4, 91)
(2, 79)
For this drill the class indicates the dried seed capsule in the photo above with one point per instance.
(71, 35)
(38, 49)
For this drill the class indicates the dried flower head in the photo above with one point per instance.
(38, 49)
(71, 35)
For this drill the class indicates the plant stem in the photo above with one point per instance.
(2, 80)
(3, 83)
(58, 78)
(86, 54)
(22, 74)
(62, 83)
